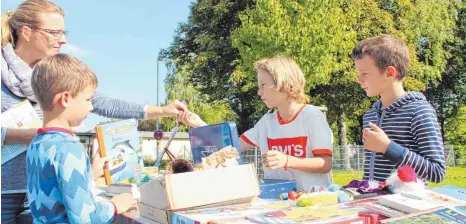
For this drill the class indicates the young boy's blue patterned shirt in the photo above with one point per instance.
(60, 181)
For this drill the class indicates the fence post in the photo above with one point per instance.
(357, 152)
(255, 162)
(452, 150)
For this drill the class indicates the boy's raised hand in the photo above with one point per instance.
(98, 165)
(375, 139)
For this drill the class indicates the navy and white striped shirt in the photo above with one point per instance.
(411, 125)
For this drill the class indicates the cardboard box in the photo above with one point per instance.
(200, 189)
(154, 214)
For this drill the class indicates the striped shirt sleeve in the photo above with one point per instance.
(429, 161)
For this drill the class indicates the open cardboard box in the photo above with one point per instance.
(199, 189)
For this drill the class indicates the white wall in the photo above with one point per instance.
(177, 147)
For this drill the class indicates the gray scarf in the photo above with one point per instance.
(16, 74)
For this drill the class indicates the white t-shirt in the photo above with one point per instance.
(305, 135)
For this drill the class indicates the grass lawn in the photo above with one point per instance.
(455, 176)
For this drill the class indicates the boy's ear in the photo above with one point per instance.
(63, 99)
(392, 72)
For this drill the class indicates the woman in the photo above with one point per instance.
(31, 32)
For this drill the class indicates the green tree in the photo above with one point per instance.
(450, 93)
(178, 87)
(320, 35)
(202, 48)
(455, 133)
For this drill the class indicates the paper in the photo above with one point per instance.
(22, 115)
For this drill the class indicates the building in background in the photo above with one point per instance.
(180, 145)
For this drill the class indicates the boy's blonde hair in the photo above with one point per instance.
(25, 15)
(57, 74)
(287, 75)
(386, 51)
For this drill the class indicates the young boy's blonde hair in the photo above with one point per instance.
(386, 51)
(57, 74)
(287, 75)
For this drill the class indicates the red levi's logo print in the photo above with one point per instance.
(290, 146)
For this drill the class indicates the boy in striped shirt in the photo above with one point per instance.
(59, 174)
(401, 128)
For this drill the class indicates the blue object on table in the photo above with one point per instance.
(334, 188)
(452, 191)
(284, 196)
(208, 139)
(271, 189)
(343, 197)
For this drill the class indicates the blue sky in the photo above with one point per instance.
(120, 41)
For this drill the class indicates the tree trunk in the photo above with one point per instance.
(342, 137)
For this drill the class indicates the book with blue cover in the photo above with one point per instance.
(452, 191)
(209, 139)
(120, 143)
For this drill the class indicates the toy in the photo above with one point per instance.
(405, 180)
(293, 195)
(283, 196)
(318, 195)
(318, 198)
(334, 188)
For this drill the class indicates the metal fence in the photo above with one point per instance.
(356, 158)
(355, 155)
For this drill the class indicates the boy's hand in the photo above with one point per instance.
(190, 119)
(375, 139)
(98, 165)
(274, 159)
(124, 202)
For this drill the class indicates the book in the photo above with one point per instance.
(317, 214)
(452, 191)
(21, 115)
(411, 202)
(120, 142)
(384, 210)
(209, 139)
(439, 215)
(120, 188)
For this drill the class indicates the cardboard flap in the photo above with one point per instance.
(153, 194)
(194, 189)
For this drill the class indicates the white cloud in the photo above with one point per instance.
(73, 50)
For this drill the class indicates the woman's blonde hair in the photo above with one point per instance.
(25, 15)
(286, 74)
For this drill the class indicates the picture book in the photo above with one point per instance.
(411, 202)
(384, 210)
(452, 191)
(441, 215)
(209, 139)
(119, 141)
(320, 214)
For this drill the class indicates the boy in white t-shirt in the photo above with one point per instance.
(295, 140)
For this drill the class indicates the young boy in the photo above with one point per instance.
(59, 173)
(296, 140)
(401, 128)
